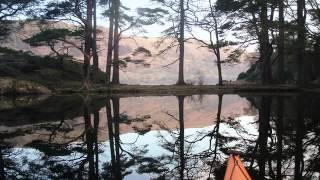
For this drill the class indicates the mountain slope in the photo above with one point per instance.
(147, 69)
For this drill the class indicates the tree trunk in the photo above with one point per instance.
(94, 44)
(181, 44)
(281, 77)
(217, 49)
(87, 45)
(301, 42)
(218, 53)
(115, 77)
(110, 44)
(265, 47)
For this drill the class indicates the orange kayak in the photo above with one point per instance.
(236, 170)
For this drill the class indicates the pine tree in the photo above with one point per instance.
(177, 15)
(215, 23)
(116, 39)
(281, 43)
(181, 43)
(253, 16)
(301, 42)
(55, 39)
(81, 12)
(9, 9)
(120, 22)
(265, 46)
(110, 42)
(95, 56)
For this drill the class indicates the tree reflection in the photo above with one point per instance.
(264, 127)
(176, 163)
(111, 141)
(123, 158)
(82, 161)
(2, 175)
(215, 134)
(181, 135)
(279, 132)
(91, 141)
(189, 165)
(282, 142)
(114, 137)
(298, 170)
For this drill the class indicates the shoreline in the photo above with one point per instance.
(187, 89)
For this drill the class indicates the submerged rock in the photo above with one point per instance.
(10, 86)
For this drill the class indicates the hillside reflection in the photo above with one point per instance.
(168, 139)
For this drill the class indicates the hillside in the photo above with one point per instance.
(141, 68)
(45, 70)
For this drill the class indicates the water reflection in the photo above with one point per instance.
(167, 139)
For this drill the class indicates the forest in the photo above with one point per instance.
(285, 35)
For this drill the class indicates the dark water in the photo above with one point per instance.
(76, 137)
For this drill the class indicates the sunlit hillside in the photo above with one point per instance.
(144, 68)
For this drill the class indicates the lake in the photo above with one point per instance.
(159, 137)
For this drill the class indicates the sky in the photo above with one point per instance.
(156, 30)
(152, 31)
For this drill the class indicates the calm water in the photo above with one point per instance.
(75, 137)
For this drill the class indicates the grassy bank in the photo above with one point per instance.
(183, 90)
